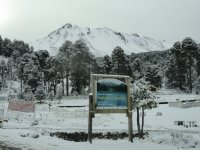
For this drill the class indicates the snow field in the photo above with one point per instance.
(163, 134)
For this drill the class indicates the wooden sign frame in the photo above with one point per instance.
(93, 104)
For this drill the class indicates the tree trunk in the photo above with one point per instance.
(54, 87)
(47, 86)
(190, 74)
(67, 84)
(142, 122)
(138, 120)
(21, 84)
(63, 88)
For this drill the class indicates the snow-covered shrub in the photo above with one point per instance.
(142, 98)
(40, 94)
(141, 95)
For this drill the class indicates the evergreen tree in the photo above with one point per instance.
(198, 61)
(1, 45)
(10, 68)
(179, 68)
(120, 62)
(32, 76)
(3, 69)
(172, 76)
(138, 70)
(189, 47)
(21, 47)
(15, 56)
(66, 52)
(50, 73)
(59, 68)
(80, 65)
(7, 50)
(27, 70)
(54, 72)
(107, 64)
(42, 56)
(153, 76)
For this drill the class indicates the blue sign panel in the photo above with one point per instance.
(111, 93)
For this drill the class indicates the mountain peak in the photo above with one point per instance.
(101, 41)
(68, 25)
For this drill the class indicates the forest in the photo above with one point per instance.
(38, 72)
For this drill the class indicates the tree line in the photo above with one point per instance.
(178, 67)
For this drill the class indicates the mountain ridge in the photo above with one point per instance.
(101, 41)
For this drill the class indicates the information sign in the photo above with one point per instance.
(111, 93)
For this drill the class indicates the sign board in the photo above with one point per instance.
(111, 93)
(22, 106)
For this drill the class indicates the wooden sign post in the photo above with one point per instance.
(110, 95)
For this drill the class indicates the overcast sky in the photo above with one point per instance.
(170, 20)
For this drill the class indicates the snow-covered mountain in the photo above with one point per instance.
(101, 41)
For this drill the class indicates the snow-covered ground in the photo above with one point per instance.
(172, 95)
(163, 133)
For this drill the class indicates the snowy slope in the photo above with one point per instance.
(101, 41)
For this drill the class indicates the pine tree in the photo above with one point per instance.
(120, 62)
(32, 75)
(60, 70)
(1, 45)
(138, 70)
(28, 72)
(189, 47)
(172, 75)
(6, 47)
(3, 69)
(21, 47)
(177, 71)
(66, 52)
(107, 64)
(153, 76)
(81, 66)
(15, 56)
(198, 61)
(50, 73)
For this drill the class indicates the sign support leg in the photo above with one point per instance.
(90, 119)
(130, 127)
